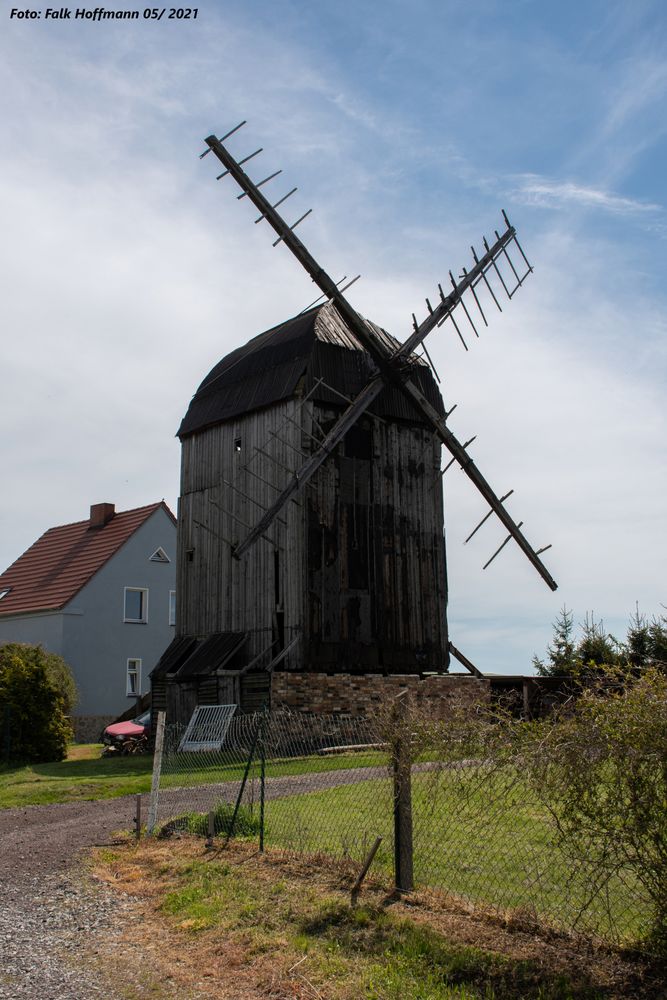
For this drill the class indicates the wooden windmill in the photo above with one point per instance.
(310, 519)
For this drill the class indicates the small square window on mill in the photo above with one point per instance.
(237, 444)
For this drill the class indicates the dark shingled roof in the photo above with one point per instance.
(211, 653)
(188, 656)
(174, 655)
(270, 367)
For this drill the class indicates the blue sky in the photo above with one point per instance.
(408, 126)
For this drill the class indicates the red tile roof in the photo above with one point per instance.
(49, 574)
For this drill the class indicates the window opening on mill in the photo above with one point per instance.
(359, 442)
(238, 444)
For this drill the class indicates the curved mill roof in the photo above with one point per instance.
(314, 353)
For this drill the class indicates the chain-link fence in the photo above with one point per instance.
(474, 827)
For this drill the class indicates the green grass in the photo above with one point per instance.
(87, 775)
(476, 834)
(346, 951)
(84, 775)
(189, 769)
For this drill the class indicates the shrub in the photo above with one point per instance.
(246, 823)
(36, 693)
(601, 770)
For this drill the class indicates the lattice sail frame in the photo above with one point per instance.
(390, 367)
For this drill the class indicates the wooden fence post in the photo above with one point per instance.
(137, 818)
(157, 769)
(401, 763)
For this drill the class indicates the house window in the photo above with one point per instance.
(4, 592)
(160, 556)
(172, 607)
(133, 687)
(136, 604)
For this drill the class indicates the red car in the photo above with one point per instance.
(128, 737)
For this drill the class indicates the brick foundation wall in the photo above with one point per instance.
(360, 694)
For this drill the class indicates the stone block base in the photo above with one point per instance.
(359, 695)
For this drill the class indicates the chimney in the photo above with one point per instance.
(101, 514)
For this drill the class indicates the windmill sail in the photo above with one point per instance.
(390, 365)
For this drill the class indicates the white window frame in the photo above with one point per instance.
(144, 606)
(171, 617)
(133, 672)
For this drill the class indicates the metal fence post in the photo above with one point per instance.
(237, 806)
(401, 765)
(157, 769)
(262, 777)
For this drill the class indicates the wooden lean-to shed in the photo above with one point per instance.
(351, 576)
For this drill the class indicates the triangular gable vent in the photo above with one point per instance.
(160, 556)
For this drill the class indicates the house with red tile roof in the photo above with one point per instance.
(100, 593)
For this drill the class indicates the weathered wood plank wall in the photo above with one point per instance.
(230, 474)
(376, 561)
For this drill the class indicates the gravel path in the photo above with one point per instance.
(57, 926)
(52, 915)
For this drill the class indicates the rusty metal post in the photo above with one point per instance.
(356, 888)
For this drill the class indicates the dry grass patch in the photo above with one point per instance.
(235, 924)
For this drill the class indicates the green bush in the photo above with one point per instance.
(601, 770)
(246, 824)
(36, 693)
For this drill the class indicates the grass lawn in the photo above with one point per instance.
(250, 925)
(87, 775)
(478, 834)
(189, 769)
(84, 775)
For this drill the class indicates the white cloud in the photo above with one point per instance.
(532, 189)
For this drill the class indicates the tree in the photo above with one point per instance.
(658, 641)
(597, 648)
(37, 691)
(561, 652)
(582, 660)
(638, 641)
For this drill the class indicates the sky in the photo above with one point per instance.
(128, 271)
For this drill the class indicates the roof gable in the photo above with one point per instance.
(56, 567)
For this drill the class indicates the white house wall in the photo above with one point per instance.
(97, 643)
(44, 629)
